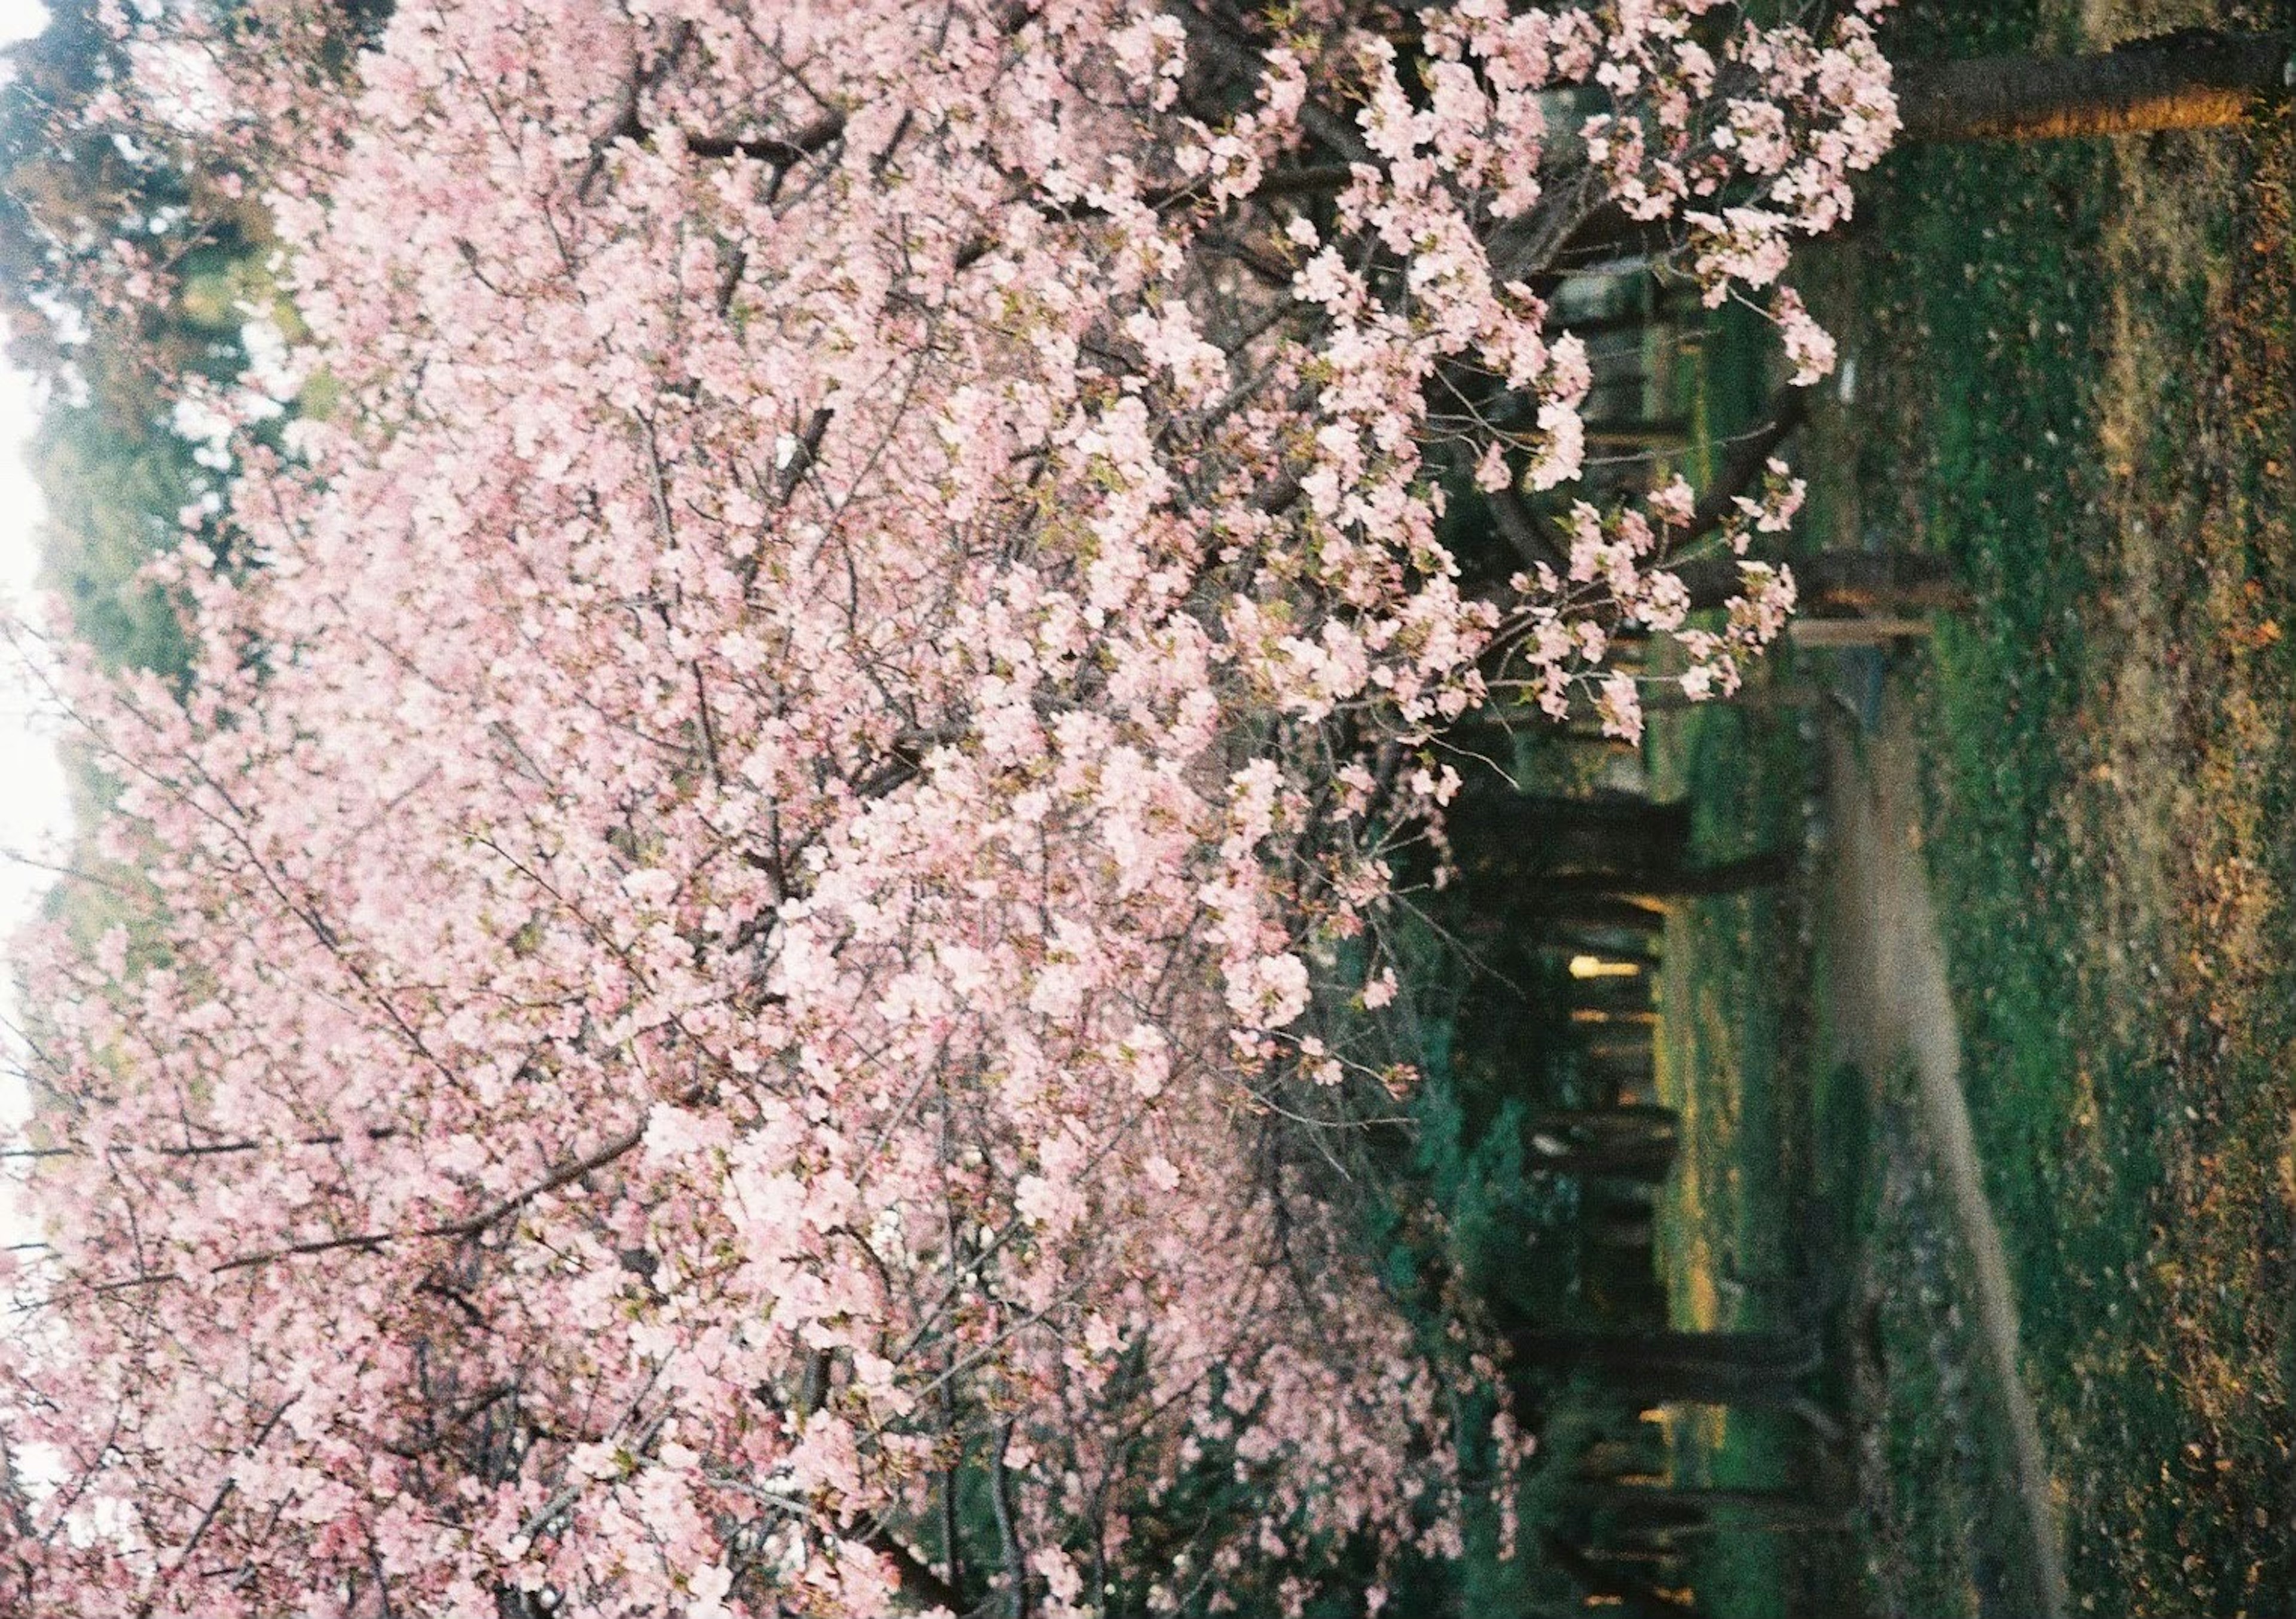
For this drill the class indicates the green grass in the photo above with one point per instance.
(2008, 679)
(2076, 379)
(1939, 1529)
(2081, 393)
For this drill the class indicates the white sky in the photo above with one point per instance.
(33, 813)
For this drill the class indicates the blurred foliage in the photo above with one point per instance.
(130, 274)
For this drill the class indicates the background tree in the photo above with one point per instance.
(2193, 78)
(134, 284)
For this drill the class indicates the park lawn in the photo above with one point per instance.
(2075, 369)
(2077, 365)
(2074, 376)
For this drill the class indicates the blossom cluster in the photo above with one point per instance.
(738, 884)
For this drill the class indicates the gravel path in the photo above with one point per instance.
(1890, 998)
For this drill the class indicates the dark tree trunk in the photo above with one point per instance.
(1624, 1592)
(1610, 830)
(1625, 1050)
(1615, 845)
(1748, 459)
(1639, 1457)
(1628, 1143)
(1884, 582)
(1614, 1076)
(1639, 1121)
(1609, 911)
(1628, 991)
(2196, 79)
(1644, 1016)
(1663, 435)
(1740, 876)
(1748, 1370)
(1626, 1227)
(1771, 1354)
(1631, 944)
(1684, 1507)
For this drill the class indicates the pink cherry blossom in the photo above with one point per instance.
(736, 905)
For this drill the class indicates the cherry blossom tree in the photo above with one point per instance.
(765, 890)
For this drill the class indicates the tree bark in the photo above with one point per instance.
(1609, 912)
(1630, 944)
(1635, 1122)
(1613, 845)
(1683, 1505)
(1749, 1370)
(1856, 632)
(1746, 462)
(1762, 870)
(1837, 581)
(916, 1577)
(1625, 1228)
(1605, 1000)
(2196, 79)
(1747, 1352)
(1609, 825)
(1626, 1595)
(1664, 435)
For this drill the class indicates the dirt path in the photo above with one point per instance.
(1890, 998)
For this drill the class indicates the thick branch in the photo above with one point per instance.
(1000, 1494)
(567, 1171)
(1857, 581)
(915, 1575)
(1636, 1598)
(1747, 461)
(780, 150)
